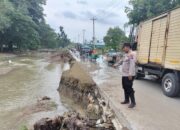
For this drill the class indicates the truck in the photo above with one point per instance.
(158, 50)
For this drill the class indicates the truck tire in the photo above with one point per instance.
(170, 85)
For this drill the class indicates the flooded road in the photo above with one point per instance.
(29, 80)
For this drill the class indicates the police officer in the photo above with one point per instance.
(128, 74)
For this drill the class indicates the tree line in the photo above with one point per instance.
(23, 27)
(138, 11)
(141, 10)
(114, 38)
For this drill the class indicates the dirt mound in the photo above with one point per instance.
(77, 79)
(77, 84)
(78, 72)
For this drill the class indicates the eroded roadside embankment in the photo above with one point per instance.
(77, 85)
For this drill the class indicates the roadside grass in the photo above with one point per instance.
(23, 127)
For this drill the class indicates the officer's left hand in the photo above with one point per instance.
(130, 77)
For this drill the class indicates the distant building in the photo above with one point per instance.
(98, 44)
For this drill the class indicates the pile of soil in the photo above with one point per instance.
(76, 84)
(81, 78)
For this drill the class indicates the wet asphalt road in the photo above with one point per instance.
(154, 111)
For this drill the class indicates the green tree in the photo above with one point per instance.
(5, 8)
(143, 9)
(63, 40)
(35, 9)
(22, 33)
(115, 37)
(48, 36)
(22, 26)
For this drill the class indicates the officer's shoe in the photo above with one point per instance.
(125, 102)
(132, 105)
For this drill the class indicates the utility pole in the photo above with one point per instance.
(84, 35)
(94, 38)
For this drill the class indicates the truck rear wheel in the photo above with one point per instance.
(170, 85)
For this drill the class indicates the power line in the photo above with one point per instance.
(109, 7)
(110, 12)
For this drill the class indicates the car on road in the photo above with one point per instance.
(112, 57)
(86, 49)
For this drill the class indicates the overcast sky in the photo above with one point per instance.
(75, 15)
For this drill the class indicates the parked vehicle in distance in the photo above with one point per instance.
(86, 49)
(113, 57)
(111, 53)
(158, 50)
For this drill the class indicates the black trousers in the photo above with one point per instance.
(128, 89)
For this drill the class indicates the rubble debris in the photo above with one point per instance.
(93, 109)
(49, 124)
(107, 115)
(69, 121)
(45, 98)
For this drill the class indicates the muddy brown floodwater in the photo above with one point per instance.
(20, 88)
